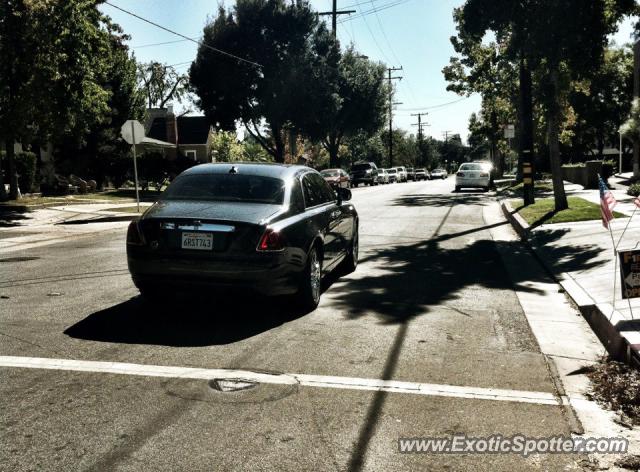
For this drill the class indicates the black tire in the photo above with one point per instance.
(308, 295)
(457, 188)
(350, 262)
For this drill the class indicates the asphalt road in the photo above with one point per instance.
(430, 303)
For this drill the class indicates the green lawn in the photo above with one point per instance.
(517, 190)
(542, 212)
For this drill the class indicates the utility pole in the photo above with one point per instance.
(391, 103)
(334, 16)
(420, 125)
(446, 140)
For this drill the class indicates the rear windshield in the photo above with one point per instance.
(438, 170)
(361, 167)
(330, 173)
(392, 171)
(226, 188)
(471, 167)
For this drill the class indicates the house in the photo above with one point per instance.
(173, 135)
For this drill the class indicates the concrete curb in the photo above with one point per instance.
(519, 224)
(602, 318)
(101, 219)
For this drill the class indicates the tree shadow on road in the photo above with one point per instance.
(10, 217)
(439, 200)
(410, 279)
(186, 322)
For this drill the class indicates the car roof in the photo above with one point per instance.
(280, 171)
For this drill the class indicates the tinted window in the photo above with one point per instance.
(226, 188)
(361, 167)
(330, 173)
(471, 167)
(316, 190)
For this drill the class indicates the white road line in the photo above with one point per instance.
(319, 381)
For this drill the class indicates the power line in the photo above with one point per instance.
(391, 103)
(393, 52)
(199, 43)
(375, 10)
(334, 13)
(162, 44)
(442, 105)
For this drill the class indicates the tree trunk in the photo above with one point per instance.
(525, 128)
(3, 192)
(553, 120)
(279, 145)
(14, 192)
(333, 147)
(636, 159)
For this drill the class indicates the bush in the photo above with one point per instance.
(634, 190)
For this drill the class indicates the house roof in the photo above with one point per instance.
(193, 130)
(156, 142)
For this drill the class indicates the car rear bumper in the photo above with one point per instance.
(472, 183)
(273, 275)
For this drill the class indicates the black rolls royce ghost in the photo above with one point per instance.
(273, 228)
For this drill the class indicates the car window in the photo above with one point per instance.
(226, 188)
(361, 167)
(324, 190)
(330, 173)
(316, 190)
(470, 167)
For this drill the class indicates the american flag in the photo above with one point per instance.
(607, 203)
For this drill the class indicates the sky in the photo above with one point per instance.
(412, 34)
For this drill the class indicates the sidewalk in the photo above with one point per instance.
(589, 276)
(67, 214)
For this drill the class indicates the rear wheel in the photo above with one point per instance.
(311, 283)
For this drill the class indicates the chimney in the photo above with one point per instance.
(172, 126)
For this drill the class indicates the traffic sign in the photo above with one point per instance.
(509, 131)
(132, 132)
(630, 273)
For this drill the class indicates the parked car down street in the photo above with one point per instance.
(272, 228)
(421, 174)
(363, 172)
(438, 174)
(393, 175)
(402, 174)
(336, 178)
(383, 176)
(472, 175)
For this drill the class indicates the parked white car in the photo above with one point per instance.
(383, 176)
(473, 175)
(402, 174)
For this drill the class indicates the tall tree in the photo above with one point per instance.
(161, 83)
(353, 101)
(49, 54)
(269, 99)
(564, 40)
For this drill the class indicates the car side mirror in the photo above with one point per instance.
(344, 194)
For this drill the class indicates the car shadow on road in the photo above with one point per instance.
(185, 322)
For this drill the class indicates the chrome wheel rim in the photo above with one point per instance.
(315, 275)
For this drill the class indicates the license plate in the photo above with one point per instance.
(200, 241)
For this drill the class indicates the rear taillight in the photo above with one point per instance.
(134, 235)
(460, 174)
(484, 174)
(271, 240)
